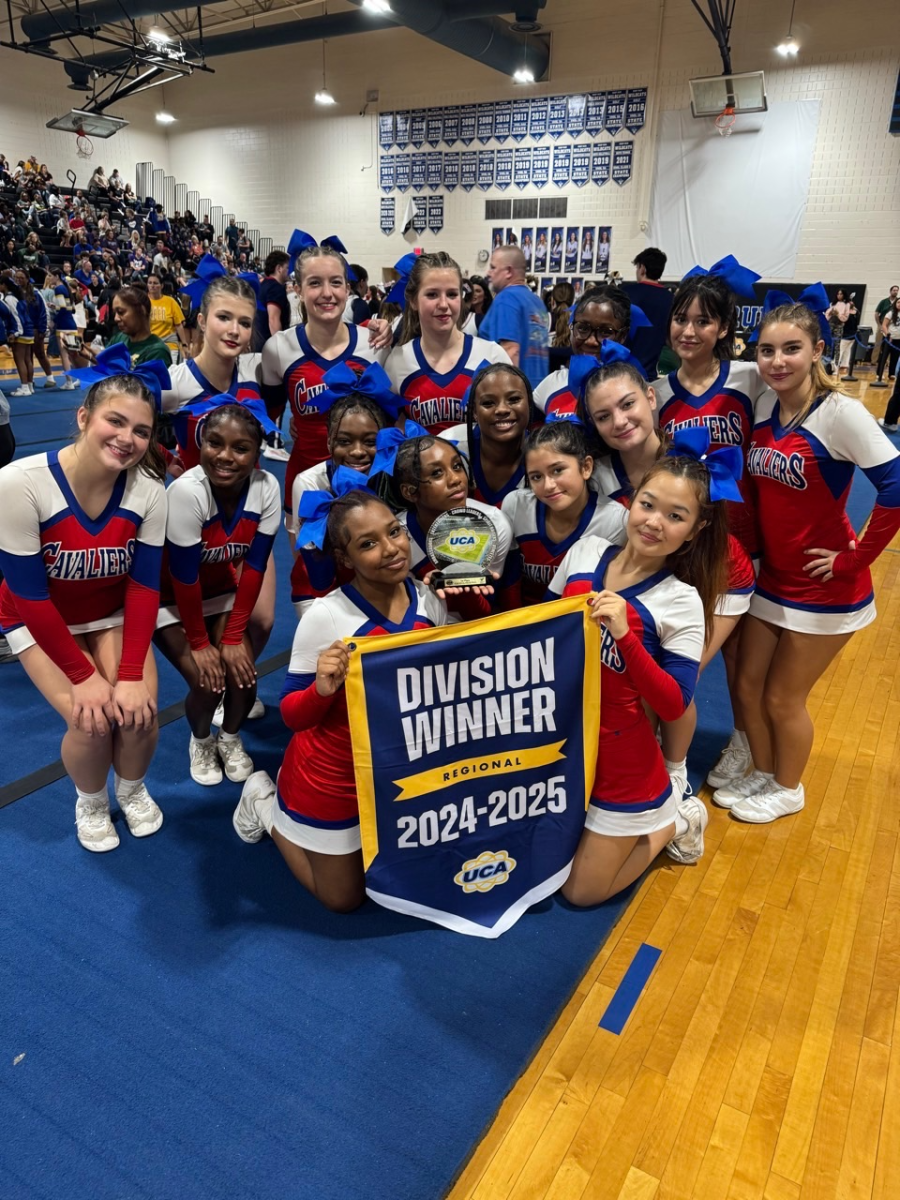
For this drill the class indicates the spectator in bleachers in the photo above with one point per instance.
(116, 183)
(98, 184)
(9, 255)
(166, 316)
(205, 231)
(161, 260)
(232, 233)
(129, 197)
(244, 246)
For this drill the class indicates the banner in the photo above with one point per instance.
(575, 115)
(451, 125)
(556, 249)
(474, 749)
(420, 217)
(541, 247)
(502, 120)
(635, 109)
(557, 115)
(581, 163)
(521, 112)
(600, 163)
(527, 246)
(435, 213)
(386, 173)
(571, 258)
(387, 214)
(562, 165)
(594, 112)
(401, 172)
(484, 124)
(434, 169)
(434, 126)
(451, 169)
(485, 169)
(417, 127)
(503, 169)
(623, 152)
(467, 124)
(401, 130)
(615, 112)
(417, 171)
(386, 130)
(537, 121)
(468, 169)
(540, 166)
(586, 257)
(522, 167)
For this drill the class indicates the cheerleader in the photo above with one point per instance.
(499, 410)
(80, 549)
(223, 513)
(814, 588)
(64, 324)
(40, 323)
(654, 599)
(433, 365)
(21, 336)
(312, 814)
(295, 360)
(558, 509)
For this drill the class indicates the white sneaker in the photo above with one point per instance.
(740, 789)
(94, 826)
(769, 804)
(236, 761)
(7, 654)
(142, 814)
(259, 789)
(23, 390)
(277, 452)
(734, 763)
(258, 710)
(205, 767)
(50, 382)
(688, 848)
(71, 385)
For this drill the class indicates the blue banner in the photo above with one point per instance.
(521, 112)
(418, 127)
(451, 169)
(570, 261)
(474, 757)
(386, 130)
(575, 115)
(601, 163)
(581, 163)
(485, 123)
(468, 169)
(434, 126)
(386, 173)
(502, 120)
(522, 168)
(556, 249)
(420, 217)
(485, 169)
(467, 124)
(537, 120)
(593, 113)
(636, 109)
(435, 213)
(451, 125)
(401, 130)
(623, 153)
(503, 169)
(557, 115)
(417, 172)
(615, 112)
(387, 214)
(401, 172)
(540, 166)
(434, 169)
(562, 165)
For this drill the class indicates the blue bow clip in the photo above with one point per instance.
(200, 408)
(725, 466)
(116, 360)
(582, 366)
(206, 270)
(553, 418)
(464, 403)
(388, 442)
(403, 266)
(374, 383)
(315, 506)
(739, 279)
(301, 240)
(639, 320)
(814, 297)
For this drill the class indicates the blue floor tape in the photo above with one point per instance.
(629, 990)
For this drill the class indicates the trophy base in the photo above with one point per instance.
(460, 579)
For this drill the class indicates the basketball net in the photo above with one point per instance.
(725, 121)
(84, 145)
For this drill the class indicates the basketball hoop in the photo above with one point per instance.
(725, 121)
(85, 147)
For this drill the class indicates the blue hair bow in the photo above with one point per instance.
(739, 279)
(301, 240)
(553, 418)
(206, 270)
(315, 506)
(814, 297)
(342, 380)
(403, 266)
(582, 366)
(638, 320)
(725, 466)
(117, 361)
(388, 442)
(200, 408)
(464, 403)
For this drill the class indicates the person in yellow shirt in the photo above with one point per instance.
(166, 315)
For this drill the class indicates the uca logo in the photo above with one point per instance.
(486, 871)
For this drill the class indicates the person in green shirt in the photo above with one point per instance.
(131, 312)
(881, 310)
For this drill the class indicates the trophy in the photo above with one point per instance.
(462, 544)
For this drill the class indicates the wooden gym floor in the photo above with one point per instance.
(763, 1058)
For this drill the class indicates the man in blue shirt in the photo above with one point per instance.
(517, 319)
(656, 301)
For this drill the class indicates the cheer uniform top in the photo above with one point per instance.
(317, 804)
(436, 400)
(24, 326)
(189, 384)
(314, 572)
(421, 564)
(535, 558)
(291, 365)
(37, 313)
(552, 394)
(203, 546)
(66, 572)
(459, 435)
(658, 660)
(63, 309)
(802, 478)
(726, 409)
(611, 479)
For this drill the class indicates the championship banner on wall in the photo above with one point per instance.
(387, 214)
(615, 111)
(623, 153)
(451, 124)
(435, 213)
(502, 120)
(401, 172)
(537, 121)
(562, 165)
(635, 109)
(467, 124)
(418, 162)
(540, 166)
(484, 123)
(434, 169)
(468, 171)
(503, 169)
(581, 163)
(594, 113)
(485, 169)
(601, 163)
(521, 113)
(418, 122)
(474, 753)
(557, 115)
(401, 130)
(522, 167)
(386, 173)
(386, 130)
(434, 126)
(451, 169)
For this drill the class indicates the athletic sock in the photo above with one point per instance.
(94, 797)
(127, 787)
(681, 825)
(228, 737)
(209, 740)
(676, 768)
(739, 738)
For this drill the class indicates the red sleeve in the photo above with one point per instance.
(189, 598)
(880, 530)
(509, 598)
(248, 590)
(141, 611)
(658, 688)
(306, 708)
(470, 606)
(51, 633)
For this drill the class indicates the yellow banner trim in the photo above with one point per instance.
(437, 778)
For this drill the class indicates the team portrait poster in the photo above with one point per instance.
(474, 748)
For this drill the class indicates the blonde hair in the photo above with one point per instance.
(807, 321)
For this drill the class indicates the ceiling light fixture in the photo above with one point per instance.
(789, 47)
(377, 6)
(165, 118)
(523, 75)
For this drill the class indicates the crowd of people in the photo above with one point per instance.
(700, 512)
